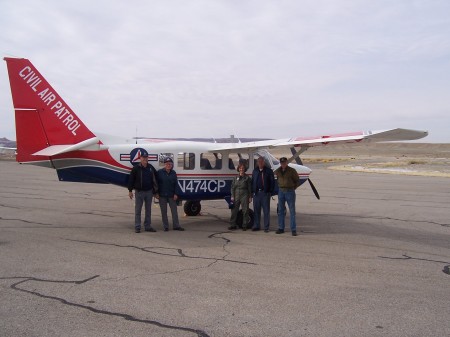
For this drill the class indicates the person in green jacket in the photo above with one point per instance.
(241, 196)
(288, 181)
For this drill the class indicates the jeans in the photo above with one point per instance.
(261, 200)
(163, 201)
(143, 197)
(289, 197)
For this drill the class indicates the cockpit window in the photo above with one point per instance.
(234, 159)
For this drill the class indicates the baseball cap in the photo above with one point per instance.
(168, 160)
(283, 159)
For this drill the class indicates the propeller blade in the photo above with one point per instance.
(297, 159)
(314, 189)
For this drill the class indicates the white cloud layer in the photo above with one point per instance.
(249, 68)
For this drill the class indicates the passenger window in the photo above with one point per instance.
(211, 161)
(163, 156)
(186, 160)
(235, 158)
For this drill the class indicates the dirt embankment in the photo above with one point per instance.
(394, 158)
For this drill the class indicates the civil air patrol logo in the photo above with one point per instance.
(134, 157)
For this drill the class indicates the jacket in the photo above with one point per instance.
(167, 183)
(241, 187)
(140, 176)
(268, 178)
(288, 179)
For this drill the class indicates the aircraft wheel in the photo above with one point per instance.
(240, 216)
(192, 207)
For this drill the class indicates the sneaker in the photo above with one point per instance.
(255, 229)
(244, 228)
(137, 230)
(232, 227)
(166, 229)
(151, 229)
(294, 233)
(266, 231)
(279, 231)
(178, 229)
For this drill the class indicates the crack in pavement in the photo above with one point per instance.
(216, 217)
(109, 215)
(27, 221)
(15, 286)
(160, 273)
(179, 252)
(227, 241)
(93, 213)
(382, 199)
(407, 257)
(381, 218)
(8, 206)
(30, 198)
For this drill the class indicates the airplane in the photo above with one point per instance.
(50, 134)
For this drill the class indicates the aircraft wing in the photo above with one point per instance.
(351, 137)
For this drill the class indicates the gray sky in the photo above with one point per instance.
(251, 68)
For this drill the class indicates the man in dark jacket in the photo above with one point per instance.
(143, 180)
(263, 184)
(167, 184)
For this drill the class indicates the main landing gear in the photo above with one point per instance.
(192, 207)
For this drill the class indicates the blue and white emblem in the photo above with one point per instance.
(134, 157)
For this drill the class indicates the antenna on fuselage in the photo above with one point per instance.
(136, 134)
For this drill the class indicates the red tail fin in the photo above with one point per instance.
(43, 119)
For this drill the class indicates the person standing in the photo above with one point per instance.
(143, 180)
(167, 184)
(288, 181)
(263, 184)
(241, 196)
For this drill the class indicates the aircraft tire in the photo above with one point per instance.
(192, 207)
(239, 219)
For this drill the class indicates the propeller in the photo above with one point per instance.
(297, 159)
(314, 189)
(299, 162)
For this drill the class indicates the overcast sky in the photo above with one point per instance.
(251, 68)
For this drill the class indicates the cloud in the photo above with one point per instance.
(253, 68)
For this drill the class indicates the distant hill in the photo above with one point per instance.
(7, 143)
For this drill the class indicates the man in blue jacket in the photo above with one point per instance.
(263, 184)
(167, 184)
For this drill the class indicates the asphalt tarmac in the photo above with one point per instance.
(372, 259)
